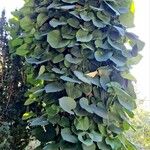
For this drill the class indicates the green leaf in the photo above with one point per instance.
(66, 7)
(17, 42)
(58, 58)
(54, 23)
(41, 19)
(29, 101)
(36, 61)
(127, 145)
(91, 147)
(102, 56)
(86, 16)
(51, 146)
(72, 60)
(83, 36)
(82, 123)
(26, 23)
(134, 60)
(100, 111)
(55, 40)
(84, 103)
(104, 80)
(116, 45)
(67, 104)
(73, 91)
(82, 77)
(127, 19)
(125, 99)
(110, 10)
(86, 138)
(73, 22)
(22, 50)
(67, 136)
(127, 75)
(53, 87)
(103, 17)
(39, 121)
(97, 137)
(118, 59)
(58, 71)
(98, 23)
(103, 146)
(46, 77)
(68, 79)
(52, 110)
(114, 143)
(70, 1)
(115, 129)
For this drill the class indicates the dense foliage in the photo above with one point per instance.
(12, 88)
(77, 55)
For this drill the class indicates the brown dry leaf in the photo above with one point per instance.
(92, 74)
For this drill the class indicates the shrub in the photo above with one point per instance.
(140, 136)
(77, 55)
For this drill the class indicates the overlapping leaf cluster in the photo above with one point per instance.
(78, 54)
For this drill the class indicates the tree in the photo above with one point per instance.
(12, 89)
(77, 55)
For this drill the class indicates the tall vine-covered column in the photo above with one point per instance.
(78, 54)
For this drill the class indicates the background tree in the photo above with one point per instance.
(12, 89)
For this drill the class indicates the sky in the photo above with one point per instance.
(142, 70)
(142, 29)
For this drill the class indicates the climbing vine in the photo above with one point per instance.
(77, 55)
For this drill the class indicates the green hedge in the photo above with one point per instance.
(77, 55)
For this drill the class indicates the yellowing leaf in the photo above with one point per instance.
(42, 70)
(92, 74)
(132, 7)
(27, 115)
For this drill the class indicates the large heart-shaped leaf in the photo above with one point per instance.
(54, 23)
(82, 77)
(100, 111)
(53, 87)
(73, 22)
(118, 59)
(102, 56)
(73, 90)
(88, 140)
(67, 136)
(124, 98)
(83, 36)
(55, 40)
(41, 19)
(26, 23)
(72, 60)
(67, 104)
(84, 103)
(82, 123)
(97, 137)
